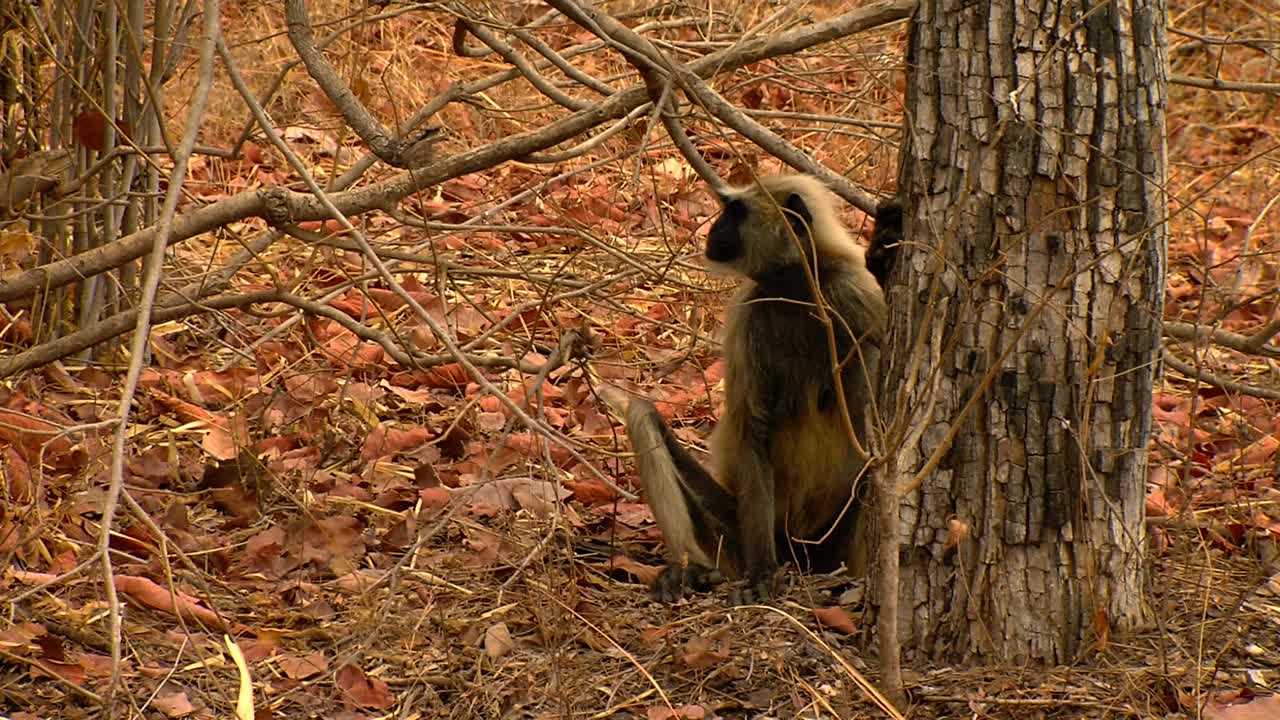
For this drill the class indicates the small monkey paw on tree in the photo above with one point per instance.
(674, 582)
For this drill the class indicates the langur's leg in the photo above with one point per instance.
(697, 516)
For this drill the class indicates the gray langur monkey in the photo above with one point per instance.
(786, 466)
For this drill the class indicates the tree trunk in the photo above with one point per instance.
(1033, 174)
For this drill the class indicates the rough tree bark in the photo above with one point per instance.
(1033, 176)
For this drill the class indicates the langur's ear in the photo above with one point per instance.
(798, 213)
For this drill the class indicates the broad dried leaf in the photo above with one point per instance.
(71, 672)
(301, 667)
(37, 439)
(384, 441)
(19, 638)
(336, 541)
(94, 665)
(497, 641)
(536, 496)
(219, 444)
(591, 491)
(357, 582)
(309, 387)
(147, 593)
(678, 712)
(491, 421)
(435, 499)
(362, 690)
(90, 129)
(701, 652)
(640, 571)
(1101, 630)
(14, 467)
(836, 618)
(173, 703)
(1263, 708)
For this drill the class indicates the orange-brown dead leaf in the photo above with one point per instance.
(301, 667)
(35, 438)
(361, 690)
(1261, 708)
(701, 652)
(1101, 630)
(15, 469)
(90, 129)
(451, 375)
(1158, 504)
(149, 594)
(384, 441)
(497, 641)
(591, 491)
(678, 712)
(640, 571)
(957, 532)
(836, 618)
(336, 541)
(217, 441)
(1260, 452)
(325, 227)
(173, 703)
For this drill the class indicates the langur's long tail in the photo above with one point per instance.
(664, 485)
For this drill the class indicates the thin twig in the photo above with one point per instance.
(1255, 344)
(142, 330)
(1216, 84)
(57, 678)
(1221, 381)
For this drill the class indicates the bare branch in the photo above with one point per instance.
(1226, 383)
(570, 70)
(511, 55)
(1216, 84)
(1255, 344)
(394, 349)
(409, 152)
(120, 324)
(458, 41)
(331, 211)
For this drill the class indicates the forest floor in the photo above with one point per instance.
(383, 542)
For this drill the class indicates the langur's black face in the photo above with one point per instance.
(724, 241)
(754, 235)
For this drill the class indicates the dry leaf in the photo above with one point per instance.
(836, 618)
(497, 641)
(301, 667)
(362, 690)
(1263, 708)
(173, 703)
(147, 593)
(702, 652)
(957, 531)
(678, 712)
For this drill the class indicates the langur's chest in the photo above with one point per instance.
(814, 468)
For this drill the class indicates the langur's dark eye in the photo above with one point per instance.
(724, 241)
